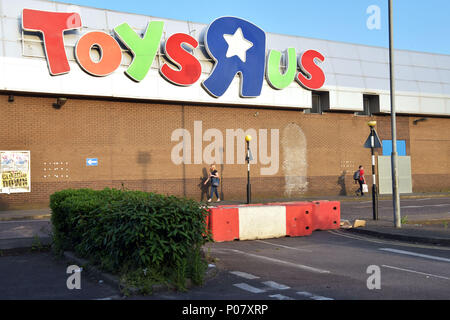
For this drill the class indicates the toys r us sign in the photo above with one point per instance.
(237, 46)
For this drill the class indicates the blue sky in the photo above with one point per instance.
(419, 25)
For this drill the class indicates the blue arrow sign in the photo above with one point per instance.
(92, 162)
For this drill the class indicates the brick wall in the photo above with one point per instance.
(132, 140)
(430, 154)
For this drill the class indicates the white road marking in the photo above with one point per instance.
(285, 247)
(275, 285)
(116, 297)
(411, 207)
(312, 296)
(412, 271)
(248, 288)
(409, 253)
(305, 294)
(244, 275)
(426, 205)
(321, 298)
(339, 233)
(294, 265)
(281, 297)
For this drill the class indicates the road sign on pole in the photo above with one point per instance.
(376, 143)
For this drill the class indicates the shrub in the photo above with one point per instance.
(124, 231)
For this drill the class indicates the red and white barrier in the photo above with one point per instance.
(272, 220)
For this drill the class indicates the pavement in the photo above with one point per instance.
(425, 218)
(412, 232)
(40, 275)
(34, 214)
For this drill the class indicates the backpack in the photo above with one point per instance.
(356, 175)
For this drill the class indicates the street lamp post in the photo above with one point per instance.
(394, 162)
(248, 138)
(372, 125)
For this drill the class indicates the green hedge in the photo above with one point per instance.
(124, 231)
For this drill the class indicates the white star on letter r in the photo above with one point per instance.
(237, 45)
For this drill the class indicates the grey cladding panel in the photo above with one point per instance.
(13, 8)
(12, 29)
(137, 22)
(373, 54)
(377, 84)
(402, 58)
(442, 62)
(404, 85)
(404, 73)
(13, 49)
(312, 44)
(375, 70)
(430, 87)
(444, 75)
(346, 67)
(350, 81)
(93, 18)
(426, 74)
(422, 60)
(446, 89)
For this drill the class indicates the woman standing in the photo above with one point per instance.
(215, 182)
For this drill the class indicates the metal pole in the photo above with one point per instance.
(249, 187)
(374, 181)
(394, 162)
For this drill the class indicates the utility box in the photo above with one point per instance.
(385, 174)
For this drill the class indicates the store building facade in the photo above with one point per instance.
(107, 99)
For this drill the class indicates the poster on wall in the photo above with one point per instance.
(15, 172)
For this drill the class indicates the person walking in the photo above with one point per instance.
(215, 182)
(361, 179)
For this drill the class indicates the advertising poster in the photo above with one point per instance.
(15, 171)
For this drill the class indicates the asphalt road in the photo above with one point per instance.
(24, 233)
(41, 276)
(326, 265)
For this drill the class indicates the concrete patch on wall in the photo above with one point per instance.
(294, 165)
